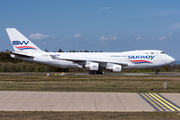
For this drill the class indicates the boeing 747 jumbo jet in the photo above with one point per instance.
(24, 49)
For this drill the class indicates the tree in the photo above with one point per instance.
(46, 50)
(60, 50)
(3, 67)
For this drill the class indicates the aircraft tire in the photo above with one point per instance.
(157, 71)
(99, 72)
(95, 72)
(92, 72)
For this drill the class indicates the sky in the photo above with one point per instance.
(102, 25)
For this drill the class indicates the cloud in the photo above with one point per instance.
(174, 34)
(103, 38)
(105, 8)
(111, 37)
(170, 34)
(136, 37)
(43, 42)
(163, 38)
(174, 26)
(38, 36)
(77, 36)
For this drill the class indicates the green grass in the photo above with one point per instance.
(96, 83)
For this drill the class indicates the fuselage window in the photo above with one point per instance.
(162, 52)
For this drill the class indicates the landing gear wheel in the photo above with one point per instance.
(92, 72)
(99, 72)
(95, 72)
(157, 71)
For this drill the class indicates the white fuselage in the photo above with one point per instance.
(132, 59)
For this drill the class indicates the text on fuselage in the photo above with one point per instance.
(141, 57)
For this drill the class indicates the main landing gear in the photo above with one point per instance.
(157, 71)
(95, 72)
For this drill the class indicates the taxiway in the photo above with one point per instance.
(87, 101)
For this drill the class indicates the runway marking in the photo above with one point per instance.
(158, 102)
(157, 108)
(169, 102)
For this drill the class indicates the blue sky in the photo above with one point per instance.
(102, 25)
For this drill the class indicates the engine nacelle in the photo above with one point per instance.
(92, 66)
(115, 68)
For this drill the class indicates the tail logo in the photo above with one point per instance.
(25, 47)
(22, 47)
(19, 42)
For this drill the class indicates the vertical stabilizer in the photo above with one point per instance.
(20, 42)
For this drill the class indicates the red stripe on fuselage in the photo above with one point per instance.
(140, 61)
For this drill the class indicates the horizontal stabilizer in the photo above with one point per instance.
(22, 55)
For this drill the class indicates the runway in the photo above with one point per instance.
(88, 101)
(160, 74)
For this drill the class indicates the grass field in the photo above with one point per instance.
(135, 84)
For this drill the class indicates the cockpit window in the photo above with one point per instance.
(162, 52)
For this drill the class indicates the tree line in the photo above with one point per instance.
(8, 64)
(72, 51)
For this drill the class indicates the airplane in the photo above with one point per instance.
(24, 49)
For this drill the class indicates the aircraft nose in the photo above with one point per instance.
(170, 60)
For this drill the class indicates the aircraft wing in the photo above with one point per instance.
(80, 61)
(83, 61)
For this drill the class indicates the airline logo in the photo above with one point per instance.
(150, 57)
(117, 68)
(22, 47)
(94, 66)
(19, 42)
(138, 59)
(25, 47)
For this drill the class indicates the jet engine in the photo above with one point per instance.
(115, 68)
(92, 66)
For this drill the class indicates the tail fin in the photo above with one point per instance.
(20, 42)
